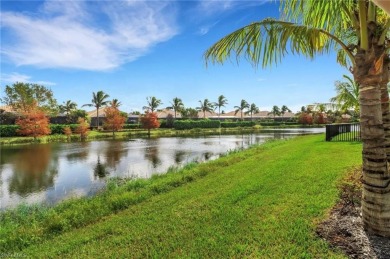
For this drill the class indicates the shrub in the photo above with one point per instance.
(8, 130)
(192, 124)
(59, 128)
(131, 126)
(238, 124)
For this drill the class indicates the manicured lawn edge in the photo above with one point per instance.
(261, 202)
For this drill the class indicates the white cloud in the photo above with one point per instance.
(260, 79)
(87, 35)
(16, 77)
(203, 30)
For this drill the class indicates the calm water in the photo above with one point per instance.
(49, 173)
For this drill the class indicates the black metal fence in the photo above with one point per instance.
(343, 132)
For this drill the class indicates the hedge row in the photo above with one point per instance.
(238, 124)
(59, 128)
(131, 126)
(191, 124)
(8, 130)
(278, 123)
(11, 130)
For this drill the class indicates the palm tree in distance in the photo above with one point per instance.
(222, 101)
(347, 94)
(358, 31)
(98, 100)
(115, 103)
(176, 105)
(205, 106)
(252, 109)
(243, 105)
(153, 103)
(284, 110)
(67, 107)
(275, 111)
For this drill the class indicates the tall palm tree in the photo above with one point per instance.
(67, 107)
(98, 100)
(153, 103)
(284, 109)
(115, 103)
(252, 109)
(358, 31)
(275, 111)
(347, 94)
(222, 101)
(243, 105)
(176, 105)
(205, 106)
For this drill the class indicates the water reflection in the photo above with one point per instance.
(34, 170)
(81, 154)
(207, 155)
(56, 171)
(100, 170)
(114, 152)
(151, 154)
(179, 156)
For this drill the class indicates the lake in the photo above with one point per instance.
(49, 173)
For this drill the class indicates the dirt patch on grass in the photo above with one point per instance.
(344, 227)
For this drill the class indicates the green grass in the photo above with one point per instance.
(348, 136)
(263, 202)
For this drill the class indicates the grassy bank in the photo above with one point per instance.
(261, 202)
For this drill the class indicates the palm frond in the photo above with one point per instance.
(269, 40)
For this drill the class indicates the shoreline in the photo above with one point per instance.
(141, 133)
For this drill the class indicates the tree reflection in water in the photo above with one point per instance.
(151, 153)
(207, 155)
(179, 156)
(32, 169)
(80, 156)
(114, 152)
(100, 170)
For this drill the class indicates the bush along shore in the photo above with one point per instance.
(262, 202)
(9, 135)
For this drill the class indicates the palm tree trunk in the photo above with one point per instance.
(376, 179)
(97, 119)
(385, 106)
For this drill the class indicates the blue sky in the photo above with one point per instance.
(135, 49)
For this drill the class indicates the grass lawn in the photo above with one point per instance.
(263, 202)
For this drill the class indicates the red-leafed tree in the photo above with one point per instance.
(114, 119)
(150, 121)
(305, 118)
(68, 132)
(34, 123)
(82, 128)
(320, 118)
